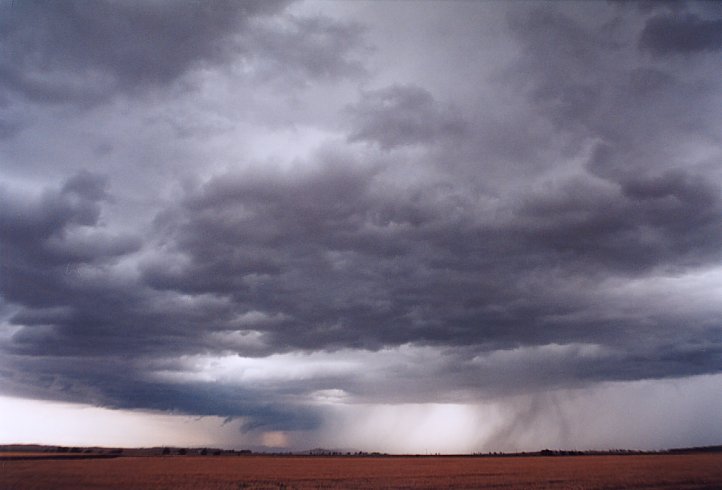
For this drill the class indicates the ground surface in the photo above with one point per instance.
(689, 471)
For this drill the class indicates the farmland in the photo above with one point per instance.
(668, 471)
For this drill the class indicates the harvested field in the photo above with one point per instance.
(17, 456)
(688, 471)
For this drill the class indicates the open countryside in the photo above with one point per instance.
(662, 471)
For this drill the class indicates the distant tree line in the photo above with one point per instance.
(167, 451)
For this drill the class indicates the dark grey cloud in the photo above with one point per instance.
(402, 115)
(307, 48)
(655, 221)
(349, 264)
(54, 51)
(681, 34)
(554, 223)
(9, 128)
(89, 50)
(559, 53)
(39, 228)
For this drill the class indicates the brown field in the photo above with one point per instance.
(42, 454)
(687, 471)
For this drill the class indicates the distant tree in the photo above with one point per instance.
(166, 450)
(204, 451)
(182, 451)
(217, 452)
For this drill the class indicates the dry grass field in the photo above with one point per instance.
(688, 471)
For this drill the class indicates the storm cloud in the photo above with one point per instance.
(278, 211)
(688, 34)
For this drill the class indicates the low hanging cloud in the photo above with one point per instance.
(305, 231)
(86, 52)
(668, 35)
(402, 115)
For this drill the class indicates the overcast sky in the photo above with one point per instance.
(401, 226)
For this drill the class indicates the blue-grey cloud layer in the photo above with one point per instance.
(495, 215)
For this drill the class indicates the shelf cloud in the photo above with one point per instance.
(302, 216)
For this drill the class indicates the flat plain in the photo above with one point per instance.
(683, 472)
